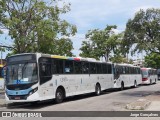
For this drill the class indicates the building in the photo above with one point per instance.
(138, 62)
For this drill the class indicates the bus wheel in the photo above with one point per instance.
(135, 84)
(122, 86)
(59, 95)
(98, 89)
(150, 82)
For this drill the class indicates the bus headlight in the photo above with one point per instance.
(33, 91)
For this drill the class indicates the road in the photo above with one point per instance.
(110, 100)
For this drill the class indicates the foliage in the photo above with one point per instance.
(101, 43)
(36, 26)
(143, 31)
(152, 60)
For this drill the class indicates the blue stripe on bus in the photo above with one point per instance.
(18, 92)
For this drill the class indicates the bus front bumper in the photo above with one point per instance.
(15, 99)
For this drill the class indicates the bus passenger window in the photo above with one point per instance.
(85, 67)
(77, 67)
(57, 66)
(99, 68)
(45, 69)
(109, 68)
(93, 68)
(68, 69)
(104, 68)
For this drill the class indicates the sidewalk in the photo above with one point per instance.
(155, 104)
(2, 101)
(1, 91)
(148, 103)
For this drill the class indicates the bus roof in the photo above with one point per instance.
(64, 57)
(125, 64)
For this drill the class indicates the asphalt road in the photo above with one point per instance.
(110, 100)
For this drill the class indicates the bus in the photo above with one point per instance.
(158, 73)
(36, 77)
(1, 78)
(149, 75)
(126, 75)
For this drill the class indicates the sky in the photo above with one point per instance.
(96, 14)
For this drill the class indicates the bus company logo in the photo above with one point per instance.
(6, 114)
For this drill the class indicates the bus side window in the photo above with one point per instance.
(109, 68)
(85, 67)
(45, 69)
(104, 68)
(68, 68)
(77, 67)
(92, 68)
(1, 72)
(57, 66)
(99, 68)
(124, 70)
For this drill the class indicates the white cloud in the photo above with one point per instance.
(5, 31)
(88, 13)
(92, 14)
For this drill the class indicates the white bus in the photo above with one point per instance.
(149, 75)
(126, 75)
(37, 77)
(1, 78)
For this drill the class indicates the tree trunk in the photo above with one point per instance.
(106, 57)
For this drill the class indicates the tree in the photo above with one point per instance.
(36, 26)
(143, 31)
(152, 60)
(101, 43)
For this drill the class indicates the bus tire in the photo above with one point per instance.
(122, 86)
(135, 84)
(150, 82)
(155, 81)
(59, 95)
(34, 103)
(98, 89)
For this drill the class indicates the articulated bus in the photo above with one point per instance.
(149, 75)
(126, 75)
(1, 78)
(36, 77)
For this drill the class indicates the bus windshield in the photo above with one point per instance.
(22, 73)
(144, 73)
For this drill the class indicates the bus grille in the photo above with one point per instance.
(17, 97)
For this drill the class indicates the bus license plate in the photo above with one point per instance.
(17, 98)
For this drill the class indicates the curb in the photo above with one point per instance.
(2, 91)
(140, 104)
(2, 103)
